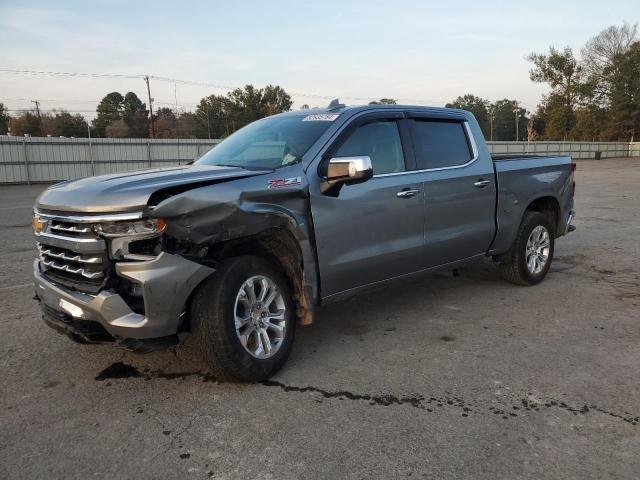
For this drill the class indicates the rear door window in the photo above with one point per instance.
(440, 144)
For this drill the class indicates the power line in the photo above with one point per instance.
(193, 83)
(49, 110)
(68, 74)
(177, 81)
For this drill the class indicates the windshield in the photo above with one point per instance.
(268, 143)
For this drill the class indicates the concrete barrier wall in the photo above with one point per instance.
(577, 150)
(43, 159)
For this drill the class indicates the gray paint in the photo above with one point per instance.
(128, 191)
(216, 213)
(167, 281)
(363, 236)
(522, 181)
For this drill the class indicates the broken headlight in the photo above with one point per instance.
(149, 226)
(133, 240)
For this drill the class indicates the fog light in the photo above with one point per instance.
(71, 309)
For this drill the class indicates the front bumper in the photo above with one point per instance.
(166, 281)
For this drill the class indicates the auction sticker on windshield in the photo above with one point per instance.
(320, 117)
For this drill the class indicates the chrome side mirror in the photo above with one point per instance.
(345, 171)
(349, 169)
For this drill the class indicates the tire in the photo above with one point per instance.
(513, 264)
(213, 320)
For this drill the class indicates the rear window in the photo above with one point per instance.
(440, 144)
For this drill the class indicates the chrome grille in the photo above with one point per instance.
(70, 248)
(87, 266)
(69, 228)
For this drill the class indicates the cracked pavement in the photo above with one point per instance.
(441, 376)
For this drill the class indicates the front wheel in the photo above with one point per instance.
(243, 321)
(530, 256)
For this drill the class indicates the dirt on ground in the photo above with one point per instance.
(442, 376)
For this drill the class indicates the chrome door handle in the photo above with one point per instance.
(481, 183)
(407, 193)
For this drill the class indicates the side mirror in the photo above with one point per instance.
(349, 169)
(345, 171)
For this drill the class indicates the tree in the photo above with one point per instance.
(275, 100)
(599, 52)
(599, 56)
(562, 72)
(504, 121)
(166, 123)
(384, 101)
(222, 115)
(26, 124)
(108, 110)
(479, 107)
(130, 109)
(625, 94)
(4, 119)
(62, 123)
(118, 129)
(213, 116)
(244, 106)
(135, 114)
(589, 120)
(558, 120)
(190, 126)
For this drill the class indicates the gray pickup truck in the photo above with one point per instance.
(290, 212)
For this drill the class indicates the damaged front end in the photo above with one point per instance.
(105, 277)
(265, 215)
(128, 276)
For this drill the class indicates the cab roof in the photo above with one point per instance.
(354, 109)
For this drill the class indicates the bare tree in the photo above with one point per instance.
(601, 50)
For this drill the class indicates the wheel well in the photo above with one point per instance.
(279, 247)
(550, 207)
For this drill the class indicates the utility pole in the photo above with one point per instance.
(208, 121)
(153, 132)
(175, 97)
(491, 122)
(37, 103)
(516, 110)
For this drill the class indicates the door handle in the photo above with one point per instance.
(481, 183)
(407, 193)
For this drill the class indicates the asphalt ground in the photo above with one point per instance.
(442, 376)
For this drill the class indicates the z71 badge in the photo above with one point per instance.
(285, 182)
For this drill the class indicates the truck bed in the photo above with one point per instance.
(499, 157)
(522, 178)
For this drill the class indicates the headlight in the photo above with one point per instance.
(131, 229)
(133, 240)
(38, 224)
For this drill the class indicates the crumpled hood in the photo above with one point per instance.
(129, 191)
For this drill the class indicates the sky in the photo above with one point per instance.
(419, 52)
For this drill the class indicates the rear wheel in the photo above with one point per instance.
(242, 318)
(530, 256)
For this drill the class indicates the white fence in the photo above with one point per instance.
(43, 159)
